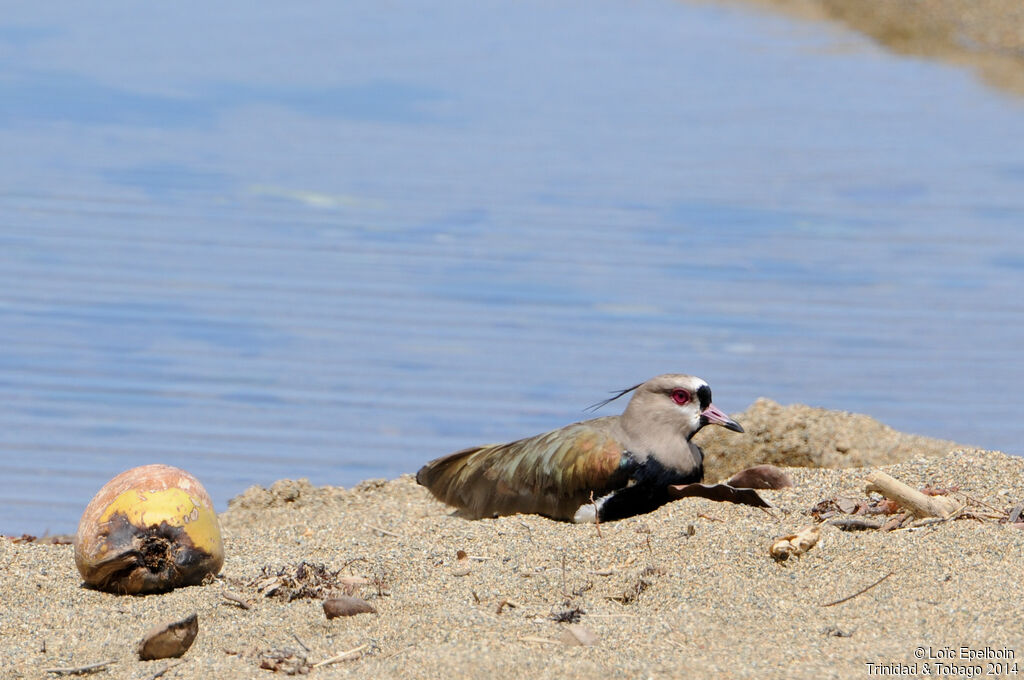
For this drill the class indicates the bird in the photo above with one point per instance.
(596, 470)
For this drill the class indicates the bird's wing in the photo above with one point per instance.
(550, 474)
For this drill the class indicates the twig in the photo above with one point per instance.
(303, 644)
(384, 531)
(344, 656)
(927, 521)
(167, 668)
(352, 561)
(859, 592)
(597, 514)
(400, 651)
(534, 638)
(854, 523)
(79, 670)
(506, 603)
(895, 521)
(563, 576)
(709, 517)
(980, 502)
(236, 598)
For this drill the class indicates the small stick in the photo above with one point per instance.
(384, 531)
(344, 656)
(859, 592)
(351, 561)
(403, 650)
(709, 517)
(236, 598)
(597, 515)
(603, 572)
(563, 576)
(534, 638)
(980, 502)
(506, 603)
(79, 670)
(854, 523)
(167, 668)
(895, 521)
(303, 644)
(937, 520)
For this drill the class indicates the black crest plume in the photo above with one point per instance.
(615, 395)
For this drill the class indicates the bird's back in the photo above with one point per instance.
(549, 474)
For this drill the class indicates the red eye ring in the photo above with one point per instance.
(681, 396)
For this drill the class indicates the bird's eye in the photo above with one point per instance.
(681, 397)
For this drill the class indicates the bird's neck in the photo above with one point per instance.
(649, 438)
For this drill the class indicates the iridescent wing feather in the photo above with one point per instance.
(550, 474)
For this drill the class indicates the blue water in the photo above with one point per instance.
(335, 240)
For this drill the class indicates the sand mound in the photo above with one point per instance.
(804, 436)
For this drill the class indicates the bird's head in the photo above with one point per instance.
(682, 402)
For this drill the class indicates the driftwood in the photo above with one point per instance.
(921, 505)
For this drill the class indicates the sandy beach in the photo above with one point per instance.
(689, 590)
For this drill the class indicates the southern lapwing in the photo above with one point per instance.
(625, 463)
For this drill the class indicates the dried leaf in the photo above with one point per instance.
(576, 634)
(760, 477)
(795, 544)
(717, 492)
(847, 505)
(929, 490)
(886, 507)
(347, 606)
(169, 640)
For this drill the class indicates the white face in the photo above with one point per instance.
(686, 399)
